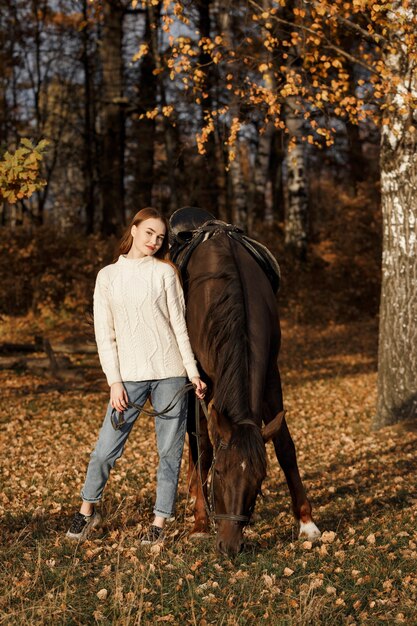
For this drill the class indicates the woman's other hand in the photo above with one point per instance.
(118, 397)
(200, 387)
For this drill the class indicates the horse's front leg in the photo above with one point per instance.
(287, 458)
(197, 483)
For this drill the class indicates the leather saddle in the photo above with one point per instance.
(189, 226)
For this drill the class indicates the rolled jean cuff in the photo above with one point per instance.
(92, 500)
(163, 514)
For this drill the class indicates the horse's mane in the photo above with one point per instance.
(228, 337)
(228, 344)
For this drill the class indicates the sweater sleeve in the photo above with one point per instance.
(105, 331)
(176, 309)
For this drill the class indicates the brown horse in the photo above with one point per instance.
(234, 329)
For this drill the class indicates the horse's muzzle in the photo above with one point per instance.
(230, 548)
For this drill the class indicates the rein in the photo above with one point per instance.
(118, 421)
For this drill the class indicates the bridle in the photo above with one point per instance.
(209, 504)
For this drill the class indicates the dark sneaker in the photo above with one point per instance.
(81, 525)
(154, 534)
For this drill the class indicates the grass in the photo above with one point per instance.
(362, 485)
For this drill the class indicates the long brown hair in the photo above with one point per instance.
(144, 214)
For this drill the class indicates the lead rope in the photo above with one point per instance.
(152, 413)
(116, 417)
(201, 403)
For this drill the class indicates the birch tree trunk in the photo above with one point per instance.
(261, 199)
(296, 209)
(238, 191)
(296, 213)
(397, 359)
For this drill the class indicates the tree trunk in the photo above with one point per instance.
(357, 162)
(397, 359)
(112, 119)
(296, 214)
(261, 196)
(89, 132)
(145, 129)
(4, 71)
(238, 190)
(224, 212)
(277, 179)
(210, 190)
(170, 133)
(236, 184)
(39, 90)
(296, 209)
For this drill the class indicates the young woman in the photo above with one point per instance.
(144, 351)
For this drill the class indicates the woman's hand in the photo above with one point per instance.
(200, 387)
(118, 397)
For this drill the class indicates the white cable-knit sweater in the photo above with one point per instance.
(139, 322)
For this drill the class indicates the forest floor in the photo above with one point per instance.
(362, 485)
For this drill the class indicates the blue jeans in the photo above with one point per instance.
(170, 434)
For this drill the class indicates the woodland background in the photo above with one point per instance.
(295, 120)
(161, 104)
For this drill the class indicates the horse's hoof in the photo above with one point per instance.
(197, 536)
(309, 531)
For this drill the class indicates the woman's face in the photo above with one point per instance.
(148, 237)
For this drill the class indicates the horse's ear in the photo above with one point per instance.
(220, 425)
(273, 427)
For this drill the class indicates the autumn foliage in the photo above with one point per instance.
(20, 174)
(326, 58)
(49, 270)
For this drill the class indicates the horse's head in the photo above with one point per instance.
(238, 472)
